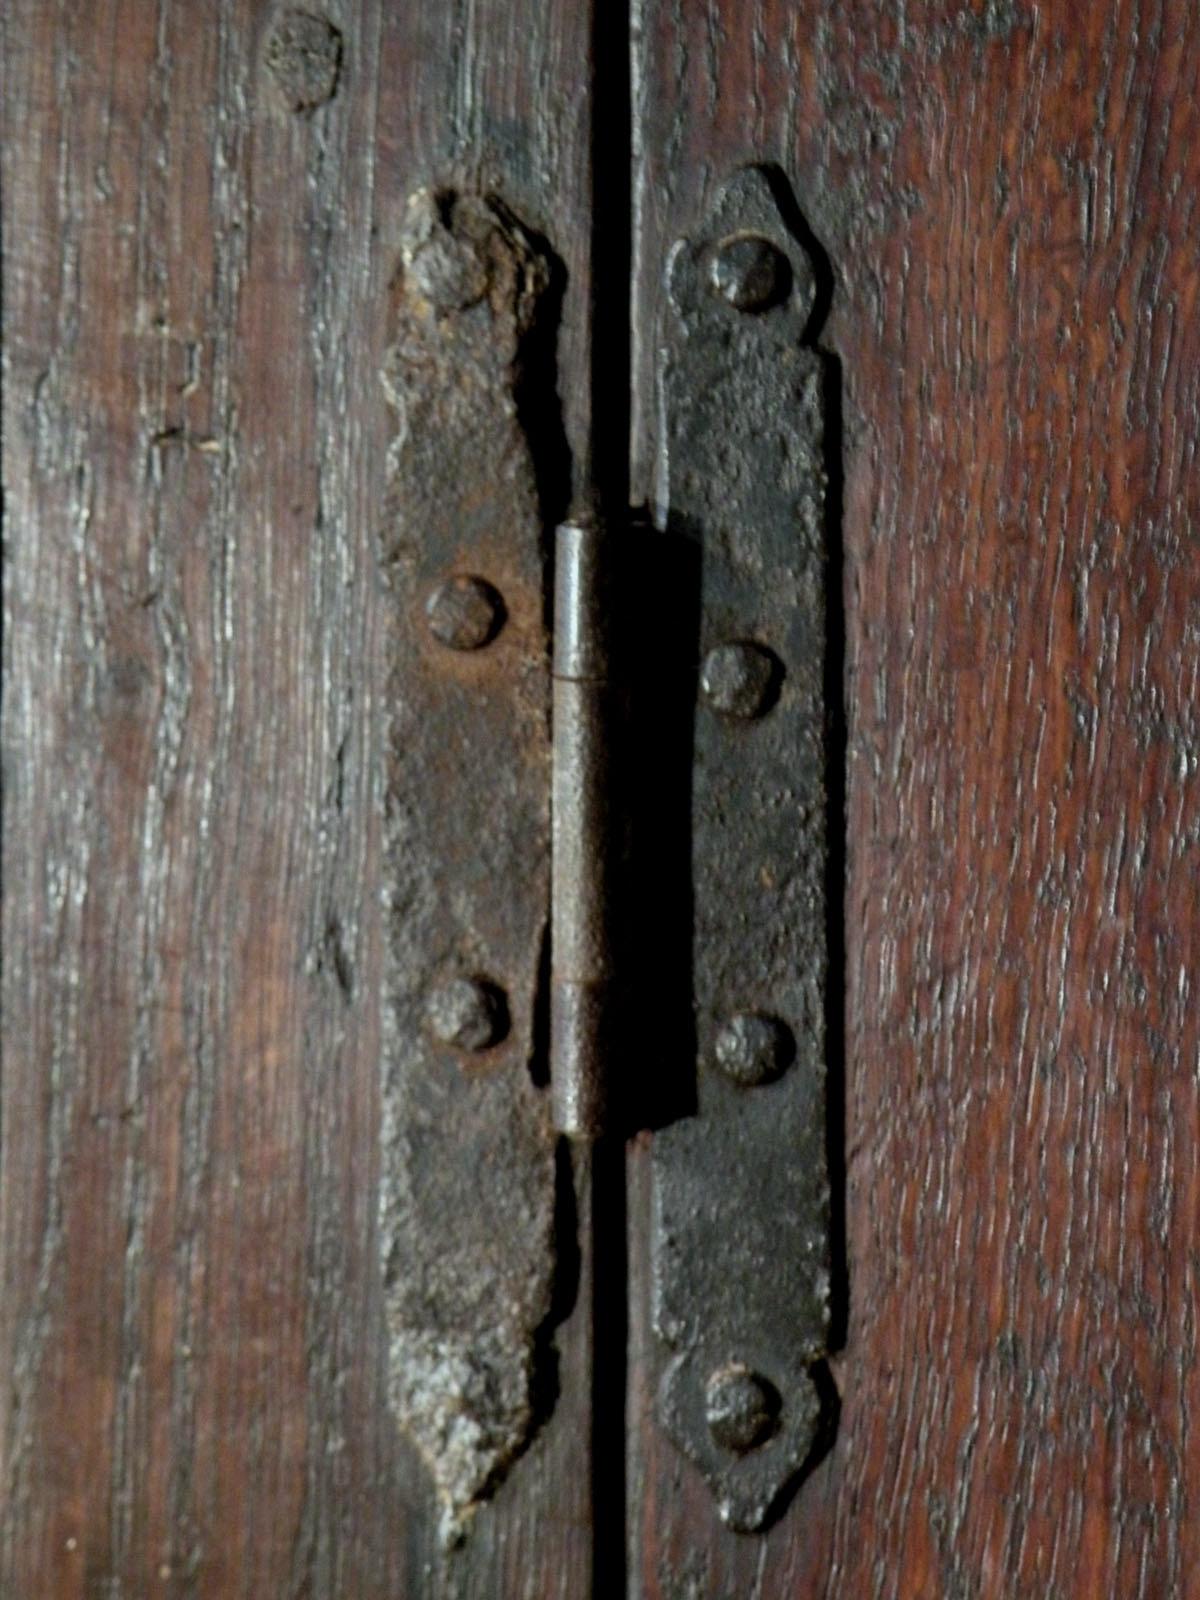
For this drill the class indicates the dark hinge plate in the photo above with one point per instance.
(741, 1221)
(742, 1260)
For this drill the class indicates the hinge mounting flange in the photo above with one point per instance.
(742, 1260)
(513, 811)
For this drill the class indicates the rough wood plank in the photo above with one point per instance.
(195, 308)
(1007, 195)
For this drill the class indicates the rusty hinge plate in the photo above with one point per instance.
(741, 1230)
(468, 1169)
(477, 1017)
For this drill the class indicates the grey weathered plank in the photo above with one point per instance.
(195, 307)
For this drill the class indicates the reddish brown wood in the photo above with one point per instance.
(1007, 195)
(195, 307)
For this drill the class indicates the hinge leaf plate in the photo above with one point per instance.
(468, 1172)
(742, 1260)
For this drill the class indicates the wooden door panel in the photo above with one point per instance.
(1006, 195)
(195, 309)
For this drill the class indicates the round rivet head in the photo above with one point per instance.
(740, 680)
(752, 1048)
(741, 1408)
(448, 273)
(468, 1013)
(750, 272)
(464, 613)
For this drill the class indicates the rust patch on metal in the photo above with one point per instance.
(468, 1171)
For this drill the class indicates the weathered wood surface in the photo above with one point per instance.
(195, 309)
(1007, 195)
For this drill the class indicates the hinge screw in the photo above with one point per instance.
(740, 1407)
(752, 1048)
(740, 680)
(468, 1013)
(464, 613)
(750, 272)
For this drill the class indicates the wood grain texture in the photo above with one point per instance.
(1007, 193)
(195, 309)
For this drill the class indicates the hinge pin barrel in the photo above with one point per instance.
(586, 848)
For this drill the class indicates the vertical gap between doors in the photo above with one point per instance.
(612, 282)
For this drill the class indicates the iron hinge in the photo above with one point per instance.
(659, 781)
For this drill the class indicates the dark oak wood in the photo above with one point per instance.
(195, 306)
(1007, 194)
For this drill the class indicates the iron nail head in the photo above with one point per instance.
(740, 680)
(464, 613)
(304, 56)
(749, 272)
(752, 1048)
(468, 1014)
(741, 1408)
